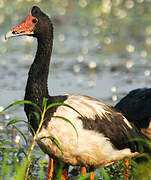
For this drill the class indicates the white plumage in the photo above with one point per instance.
(89, 147)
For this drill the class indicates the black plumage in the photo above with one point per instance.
(136, 107)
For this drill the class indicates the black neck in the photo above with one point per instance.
(36, 87)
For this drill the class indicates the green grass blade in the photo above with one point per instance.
(86, 177)
(5, 143)
(22, 102)
(20, 171)
(37, 116)
(21, 150)
(62, 104)
(67, 120)
(16, 121)
(44, 102)
(55, 141)
(59, 168)
(21, 134)
(9, 172)
(105, 174)
(42, 163)
(146, 141)
(4, 165)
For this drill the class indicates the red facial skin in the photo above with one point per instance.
(27, 26)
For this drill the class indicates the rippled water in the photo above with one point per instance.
(101, 49)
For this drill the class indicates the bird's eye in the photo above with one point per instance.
(34, 21)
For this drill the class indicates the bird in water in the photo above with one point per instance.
(103, 133)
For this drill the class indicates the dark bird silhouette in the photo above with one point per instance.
(103, 133)
(136, 107)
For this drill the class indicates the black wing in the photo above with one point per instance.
(136, 107)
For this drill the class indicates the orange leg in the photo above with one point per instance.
(83, 171)
(126, 173)
(50, 169)
(92, 175)
(64, 175)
